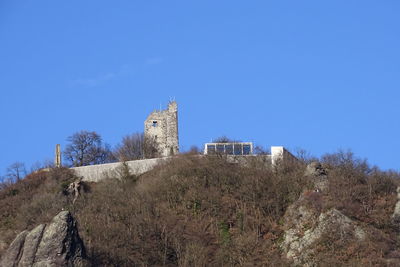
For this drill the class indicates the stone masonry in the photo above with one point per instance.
(57, 158)
(162, 127)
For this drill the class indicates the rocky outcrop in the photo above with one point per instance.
(74, 189)
(315, 169)
(55, 244)
(13, 254)
(396, 213)
(305, 225)
(32, 242)
(318, 174)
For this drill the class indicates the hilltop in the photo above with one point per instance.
(207, 211)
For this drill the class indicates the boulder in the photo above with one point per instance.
(55, 244)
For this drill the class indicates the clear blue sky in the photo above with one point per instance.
(311, 74)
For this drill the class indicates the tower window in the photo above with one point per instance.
(154, 124)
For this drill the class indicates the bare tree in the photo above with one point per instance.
(16, 172)
(260, 150)
(86, 148)
(150, 148)
(131, 147)
(134, 147)
(38, 165)
(304, 156)
(3, 183)
(224, 139)
(194, 150)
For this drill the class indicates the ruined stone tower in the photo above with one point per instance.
(57, 158)
(162, 126)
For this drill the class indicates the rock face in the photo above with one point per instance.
(318, 174)
(74, 189)
(55, 244)
(315, 169)
(396, 213)
(13, 254)
(305, 225)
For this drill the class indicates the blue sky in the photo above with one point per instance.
(311, 74)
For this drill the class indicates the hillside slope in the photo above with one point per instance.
(209, 212)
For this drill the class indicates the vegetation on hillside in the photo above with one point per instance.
(206, 211)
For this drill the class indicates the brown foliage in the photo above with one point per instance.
(191, 211)
(363, 193)
(135, 146)
(86, 148)
(31, 201)
(205, 211)
(366, 195)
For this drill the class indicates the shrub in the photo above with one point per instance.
(207, 211)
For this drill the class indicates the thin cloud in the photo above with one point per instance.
(124, 70)
(93, 82)
(104, 78)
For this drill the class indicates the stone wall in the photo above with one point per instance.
(96, 173)
(162, 126)
(172, 145)
(279, 153)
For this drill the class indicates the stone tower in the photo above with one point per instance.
(162, 126)
(57, 158)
